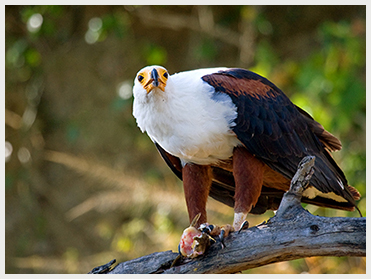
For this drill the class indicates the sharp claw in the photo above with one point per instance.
(244, 225)
(212, 240)
(221, 237)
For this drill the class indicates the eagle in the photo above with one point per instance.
(233, 135)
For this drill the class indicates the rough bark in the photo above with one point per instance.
(292, 233)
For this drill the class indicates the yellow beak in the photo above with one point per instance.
(153, 78)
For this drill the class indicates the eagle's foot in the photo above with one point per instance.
(214, 231)
(194, 241)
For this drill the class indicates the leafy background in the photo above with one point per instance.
(84, 186)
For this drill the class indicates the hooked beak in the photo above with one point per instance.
(155, 79)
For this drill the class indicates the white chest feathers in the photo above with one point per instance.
(189, 120)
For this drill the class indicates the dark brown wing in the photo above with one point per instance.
(274, 130)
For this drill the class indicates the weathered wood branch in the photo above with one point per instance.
(292, 233)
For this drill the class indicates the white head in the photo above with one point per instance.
(150, 78)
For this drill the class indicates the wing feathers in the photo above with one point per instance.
(279, 133)
(328, 139)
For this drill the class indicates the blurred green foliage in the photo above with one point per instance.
(332, 89)
(83, 185)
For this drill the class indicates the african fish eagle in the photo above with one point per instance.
(233, 135)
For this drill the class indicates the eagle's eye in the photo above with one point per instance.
(166, 75)
(140, 78)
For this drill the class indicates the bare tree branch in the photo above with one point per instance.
(292, 233)
(204, 23)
